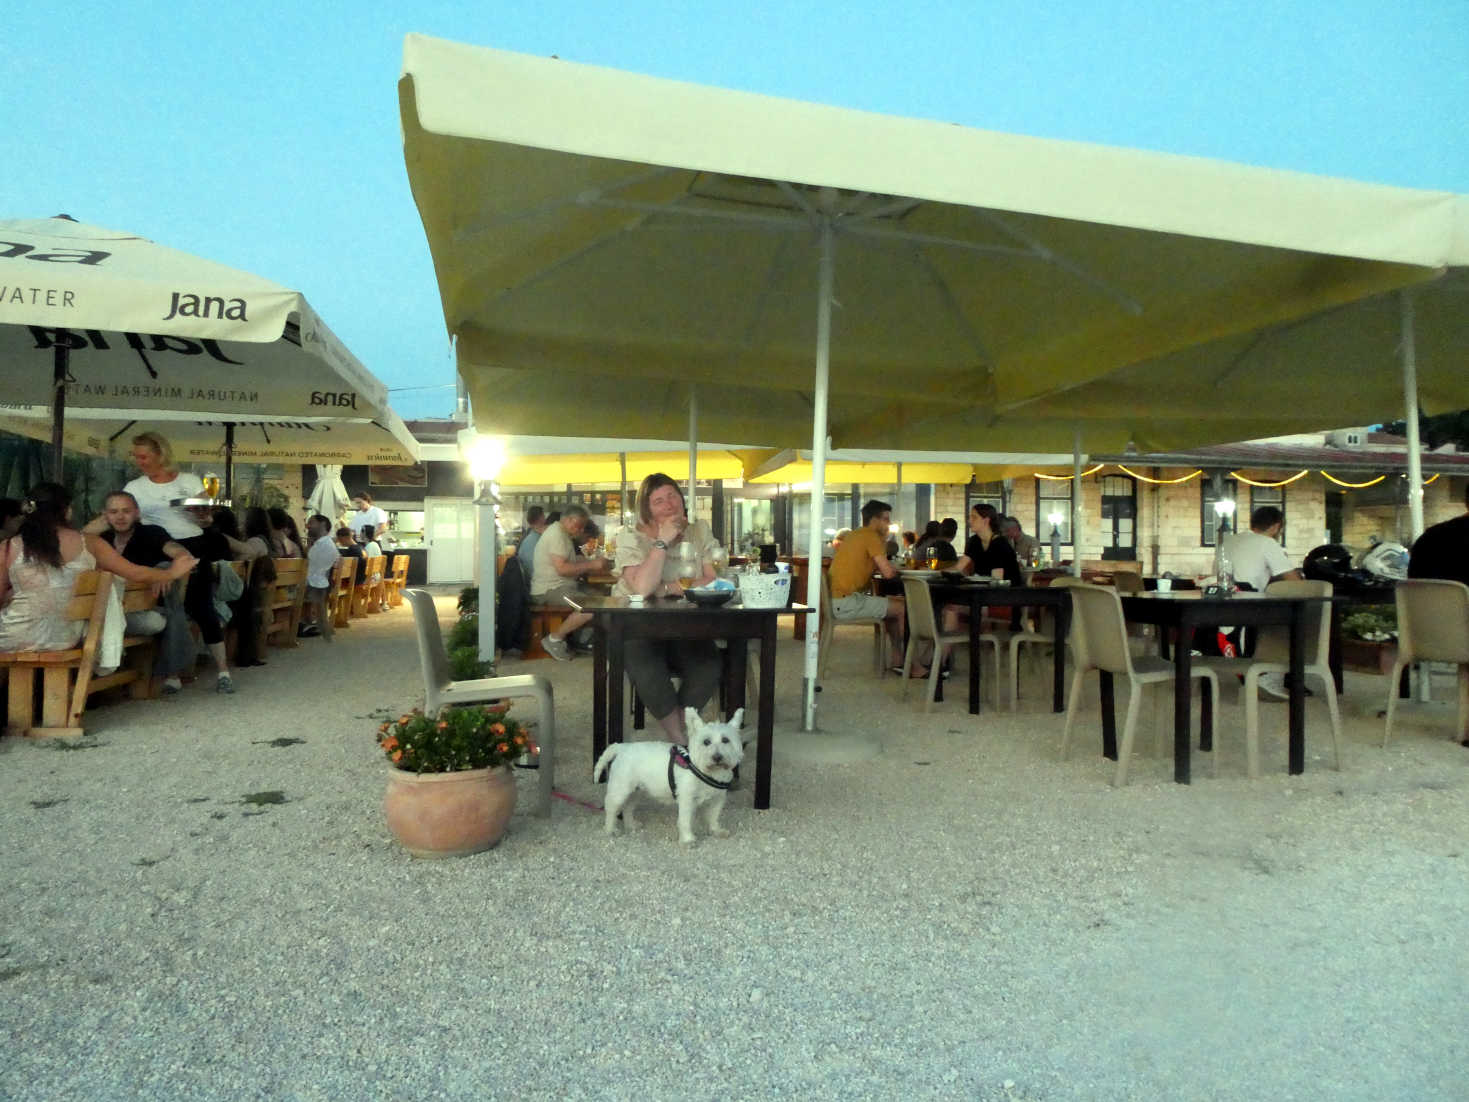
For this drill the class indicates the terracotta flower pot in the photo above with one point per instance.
(449, 814)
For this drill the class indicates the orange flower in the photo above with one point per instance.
(397, 755)
(503, 748)
(497, 728)
(519, 740)
(404, 719)
(383, 729)
(390, 743)
(443, 725)
(498, 709)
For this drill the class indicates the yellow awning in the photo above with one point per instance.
(561, 470)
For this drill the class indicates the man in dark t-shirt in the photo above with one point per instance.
(1443, 550)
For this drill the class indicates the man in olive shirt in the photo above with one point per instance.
(859, 554)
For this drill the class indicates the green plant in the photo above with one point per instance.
(1375, 623)
(464, 632)
(465, 665)
(469, 600)
(455, 740)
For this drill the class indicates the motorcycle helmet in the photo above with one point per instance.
(1331, 562)
(1387, 561)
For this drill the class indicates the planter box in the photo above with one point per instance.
(1362, 656)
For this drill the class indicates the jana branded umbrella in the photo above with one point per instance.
(96, 318)
(819, 271)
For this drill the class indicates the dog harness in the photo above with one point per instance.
(679, 756)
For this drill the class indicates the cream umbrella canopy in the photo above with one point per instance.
(599, 226)
(97, 318)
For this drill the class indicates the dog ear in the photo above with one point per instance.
(691, 720)
(738, 719)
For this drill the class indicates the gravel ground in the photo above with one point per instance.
(963, 916)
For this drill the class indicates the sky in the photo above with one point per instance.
(266, 136)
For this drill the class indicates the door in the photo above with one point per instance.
(448, 532)
(1119, 518)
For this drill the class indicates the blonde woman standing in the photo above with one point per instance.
(155, 489)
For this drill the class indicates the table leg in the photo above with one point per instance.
(765, 738)
(1058, 658)
(599, 688)
(1333, 659)
(616, 674)
(1109, 717)
(974, 617)
(1182, 671)
(1297, 686)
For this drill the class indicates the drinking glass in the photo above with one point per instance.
(689, 571)
(211, 486)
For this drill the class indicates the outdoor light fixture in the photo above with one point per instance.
(484, 454)
(1055, 517)
(1224, 510)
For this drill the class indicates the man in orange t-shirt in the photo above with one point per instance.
(861, 552)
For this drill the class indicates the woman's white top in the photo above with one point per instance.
(153, 502)
(634, 546)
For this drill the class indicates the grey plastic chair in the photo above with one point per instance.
(1099, 642)
(827, 630)
(440, 690)
(923, 624)
(1433, 626)
(1272, 655)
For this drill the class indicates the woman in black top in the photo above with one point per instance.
(986, 550)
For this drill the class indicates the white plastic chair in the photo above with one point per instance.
(1099, 642)
(827, 630)
(1433, 626)
(440, 690)
(1272, 655)
(922, 625)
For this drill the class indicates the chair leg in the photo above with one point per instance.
(1392, 696)
(1328, 690)
(879, 651)
(1073, 706)
(1463, 731)
(935, 664)
(545, 700)
(1015, 674)
(1129, 731)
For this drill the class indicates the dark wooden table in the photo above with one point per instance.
(614, 622)
(1186, 611)
(978, 596)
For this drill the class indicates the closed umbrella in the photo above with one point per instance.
(329, 497)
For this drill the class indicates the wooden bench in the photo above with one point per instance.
(397, 581)
(341, 598)
(68, 677)
(544, 619)
(280, 608)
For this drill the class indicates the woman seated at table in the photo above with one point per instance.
(648, 565)
(986, 553)
(38, 570)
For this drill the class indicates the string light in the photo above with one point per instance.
(1067, 477)
(1268, 485)
(1157, 481)
(1353, 485)
(1430, 480)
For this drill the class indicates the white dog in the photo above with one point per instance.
(698, 779)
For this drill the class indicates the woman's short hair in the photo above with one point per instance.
(157, 443)
(364, 496)
(650, 485)
(989, 512)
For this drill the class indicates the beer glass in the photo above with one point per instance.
(211, 486)
(689, 568)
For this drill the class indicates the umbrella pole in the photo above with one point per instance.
(229, 462)
(60, 362)
(898, 504)
(488, 552)
(818, 476)
(1410, 401)
(622, 493)
(1076, 503)
(693, 451)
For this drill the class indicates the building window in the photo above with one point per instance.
(985, 493)
(1267, 495)
(1208, 519)
(1119, 517)
(1053, 495)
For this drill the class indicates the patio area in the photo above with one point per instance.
(202, 900)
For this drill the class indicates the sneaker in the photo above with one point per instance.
(1272, 686)
(306, 631)
(172, 686)
(556, 648)
(225, 684)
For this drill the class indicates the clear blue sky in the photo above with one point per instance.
(266, 135)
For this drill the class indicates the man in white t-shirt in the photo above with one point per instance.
(321, 568)
(558, 573)
(1256, 555)
(367, 514)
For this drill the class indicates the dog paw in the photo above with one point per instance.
(687, 841)
(719, 832)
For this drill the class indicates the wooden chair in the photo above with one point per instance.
(1433, 626)
(367, 594)
(397, 580)
(341, 598)
(281, 609)
(67, 676)
(828, 631)
(440, 690)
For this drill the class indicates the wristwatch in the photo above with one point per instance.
(661, 545)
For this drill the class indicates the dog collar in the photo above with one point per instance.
(678, 756)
